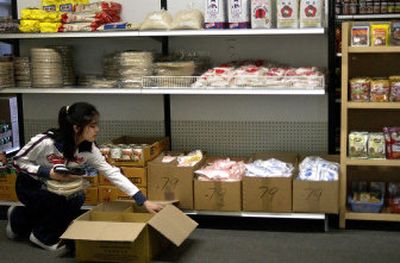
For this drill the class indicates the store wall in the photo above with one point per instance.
(219, 124)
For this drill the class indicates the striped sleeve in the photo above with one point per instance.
(26, 159)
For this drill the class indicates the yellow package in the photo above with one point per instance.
(380, 34)
(29, 26)
(51, 17)
(48, 27)
(50, 5)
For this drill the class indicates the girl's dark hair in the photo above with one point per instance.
(79, 114)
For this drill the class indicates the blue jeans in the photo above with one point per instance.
(45, 214)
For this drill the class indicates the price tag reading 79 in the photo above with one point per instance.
(313, 194)
(215, 192)
(169, 183)
(268, 192)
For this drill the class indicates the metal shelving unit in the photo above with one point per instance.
(177, 91)
(367, 17)
(213, 32)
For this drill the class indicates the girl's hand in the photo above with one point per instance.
(152, 207)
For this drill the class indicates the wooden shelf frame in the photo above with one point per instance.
(347, 106)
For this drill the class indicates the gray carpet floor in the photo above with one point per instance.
(229, 245)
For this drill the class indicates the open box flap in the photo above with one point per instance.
(173, 224)
(103, 231)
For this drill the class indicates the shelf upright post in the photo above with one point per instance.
(333, 113)
(344, 124)
(167, 98)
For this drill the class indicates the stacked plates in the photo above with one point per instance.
(110, 67)
(133, 66)
(68, 64)
(47, 69)
(22, 72)
(6, 74)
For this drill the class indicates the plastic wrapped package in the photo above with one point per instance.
(29, 26)
(380, 34)
(78, 27)
(107, 6)
(311, 13)
(358, 145)
(394, 88)
(188, 19)
(238, 13)
(8, 25)
(380, 90)
(263, 14)
(49, 27)
(41, 15)
(287, 13)
(174, 68)
(119, 26)
(215, 14)
(359, 89)
(159, 20)
(98, 18)
(376, 145)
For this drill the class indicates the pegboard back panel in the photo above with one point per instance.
(236, 138)
(108, 129)
(245, 138)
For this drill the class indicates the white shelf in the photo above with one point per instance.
(371, 16)
(259, 214)
(203, 32)
(231, 91)
(177, 91)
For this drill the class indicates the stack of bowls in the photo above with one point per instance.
(22, 72)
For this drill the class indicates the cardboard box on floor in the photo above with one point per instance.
(167, 181)
(316, 196)
(154, 147)
(120, 232)
(218, 195)
(7, 185)
(269, 194)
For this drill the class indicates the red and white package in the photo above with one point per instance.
(78, 27)
(99, 18)
(106, 6)
(392, 140)
(222, 170)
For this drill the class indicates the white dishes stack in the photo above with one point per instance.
(22, 72)
(111, 67)
(66, 52)
(6, 74)
(133, 66)
(47, 68)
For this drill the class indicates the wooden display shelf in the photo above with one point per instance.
(373, 105)
(372, 216)
(369, 162)
(390, 49)
(368, 116)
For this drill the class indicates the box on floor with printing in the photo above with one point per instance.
(269, 194)
(168, 181)
(122, 232)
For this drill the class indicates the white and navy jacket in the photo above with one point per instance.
(42, 152)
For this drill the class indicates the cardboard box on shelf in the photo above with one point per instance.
(137, 175)
(269, 194)
(218, 195)
(91, 196)
(153, 148)
(167, 181)
(109, 193)
(316, 196)
(120, 234)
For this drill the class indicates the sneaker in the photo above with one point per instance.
(9, 232)
(58, 247)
